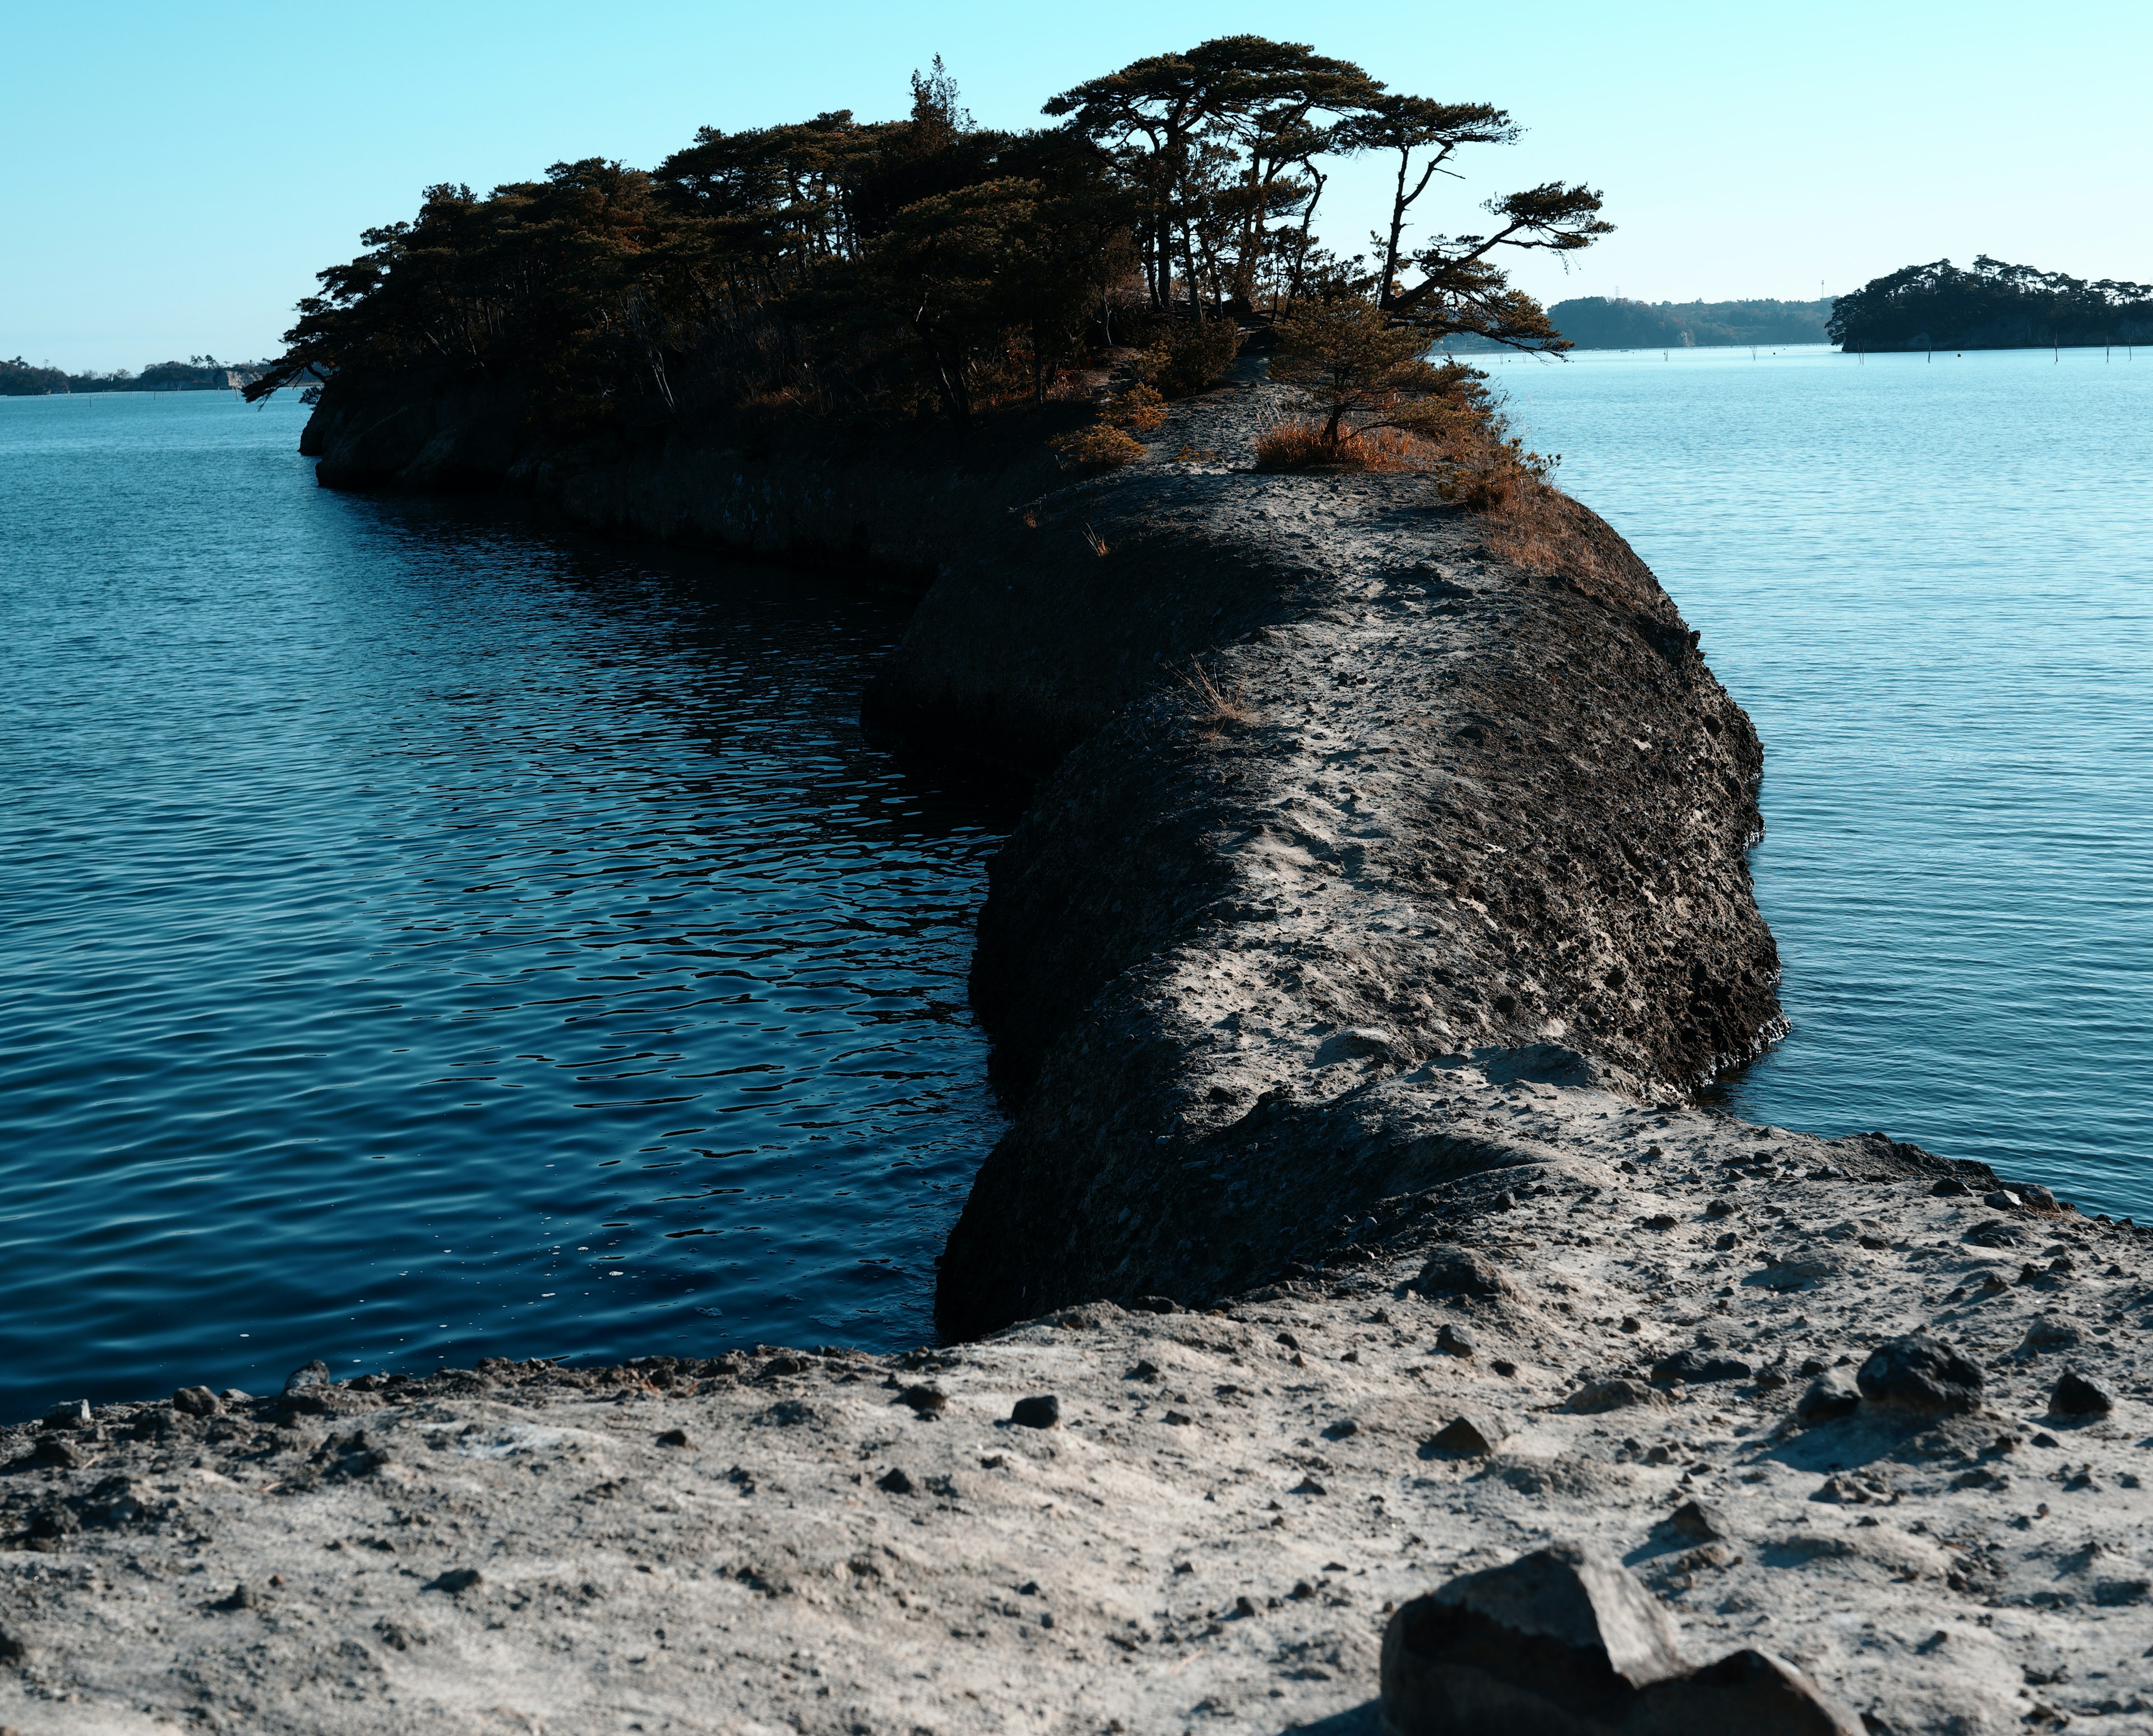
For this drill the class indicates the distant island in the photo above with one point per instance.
(1994, 306)
(1614, 323)
(19, 378)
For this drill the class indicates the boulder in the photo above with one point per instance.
(1564, 1642)
(1921, 1376)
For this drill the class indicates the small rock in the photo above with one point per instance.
(894, 1481)
(1458, 1271)
(2050, 1334)
(1308, 1485)
(1950, 1188)
(1343, 1429)
(1725, 1240)
(1792, 1274)
(74, 1413)
(1146, 1370)
(1631, 1323)
(2039, 1199)
(2003, 1200)
(1662, 1221)
(2081, 1395)
(928, 1401)
(2046, 1439)
(58, 1450)
(1178, 1419)
(1505, 1368)
(195, 1402)
(1831, 1394)
(1922, 1375)
(1043, 1412)
(455, 1581)
(1698, 1366)
(1155, 1305)
(1288, 1339)
(315, 1374)
(1454, 1340)
(1477, 1434)
(1700, 1519)
(1998, 1232)
(674, 1437)
(241, 1597)
(1620, 1393)
(1245, 1605)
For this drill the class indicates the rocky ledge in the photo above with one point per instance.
(1678, 1350)
(1356, 1321)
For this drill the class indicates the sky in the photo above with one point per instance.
(178, 172)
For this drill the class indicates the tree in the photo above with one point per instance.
(1410, 124)
(1359, 371)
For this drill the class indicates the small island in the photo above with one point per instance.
(1995, 306)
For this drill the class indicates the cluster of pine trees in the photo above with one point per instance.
(927, 266)
(1995, 306)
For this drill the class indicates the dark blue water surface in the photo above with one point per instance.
(1931, 582)
(427, 938)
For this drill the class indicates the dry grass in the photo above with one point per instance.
(1098, 543)
(1098, 449)
(1212, 704)
(1538, 527)
(1299, 445)
(1140, 409)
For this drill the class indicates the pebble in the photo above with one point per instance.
(1700, 1519)
(928, 1401)
(1476, 1434)
(1455, 1340)
(1043, 1412)
(894, 1481)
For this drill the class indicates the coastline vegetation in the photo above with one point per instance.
(1614, 323)
(19, 378)
(1994, 306)
(926, 270)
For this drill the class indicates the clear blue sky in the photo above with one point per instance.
(176, 173)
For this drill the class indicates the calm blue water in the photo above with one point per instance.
(1931, 585)
(422, 938)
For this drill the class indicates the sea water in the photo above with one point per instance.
(1930, 581)
(423, 937)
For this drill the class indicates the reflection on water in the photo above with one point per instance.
(427, 938)
(1931, 585)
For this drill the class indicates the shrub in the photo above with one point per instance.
(1191, 354)
(1140, 408)
(1098, 449)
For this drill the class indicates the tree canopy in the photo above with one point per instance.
(926, 266)
(1995, 306)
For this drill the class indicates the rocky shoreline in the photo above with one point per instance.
(1382, 900)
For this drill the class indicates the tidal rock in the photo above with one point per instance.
(1043, 1412)
(1831, 1394)
(2081, 1395)
(315, 1374)
(1459, 1271)
(1454, 1340)
(196, 1402)
(1921, 1375)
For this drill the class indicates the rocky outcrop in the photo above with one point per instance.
(1336, 802)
